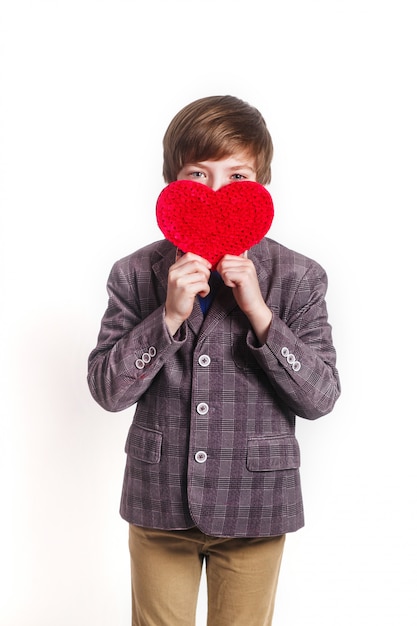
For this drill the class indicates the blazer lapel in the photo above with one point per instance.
(164, 257)
(222, 305)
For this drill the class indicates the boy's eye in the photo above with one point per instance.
(238, 177)
(197, 174)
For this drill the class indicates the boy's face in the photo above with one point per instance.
(215, 174)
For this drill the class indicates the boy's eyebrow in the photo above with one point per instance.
(233, 167)
(243, 165)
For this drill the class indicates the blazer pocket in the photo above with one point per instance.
(266, 454)
(144, 444)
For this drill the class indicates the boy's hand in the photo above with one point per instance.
(186, 278)
(239, 273)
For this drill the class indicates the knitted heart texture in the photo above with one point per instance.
(213, 223)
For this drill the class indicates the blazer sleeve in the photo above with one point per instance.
(298, 355)
(132, 346)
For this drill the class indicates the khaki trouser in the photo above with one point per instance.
(242, 576)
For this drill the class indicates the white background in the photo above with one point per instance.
(87, 91)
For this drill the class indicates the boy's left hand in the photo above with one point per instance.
(239, 273)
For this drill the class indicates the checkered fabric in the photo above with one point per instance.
(212, 443)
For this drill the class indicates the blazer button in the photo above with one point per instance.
(200, 456)
(139, 364)
(285, 352)
(202, 408)
(204, 360)
(296, 366)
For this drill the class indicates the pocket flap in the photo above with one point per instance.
(273, 453)
(144, 444)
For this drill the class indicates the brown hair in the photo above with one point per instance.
(214, 128)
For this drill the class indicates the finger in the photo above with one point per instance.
(188, 270)
(182, 258)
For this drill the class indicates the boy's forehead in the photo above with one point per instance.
(234, 160)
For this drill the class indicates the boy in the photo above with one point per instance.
(218, 374)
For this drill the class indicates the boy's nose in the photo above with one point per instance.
(217, 182)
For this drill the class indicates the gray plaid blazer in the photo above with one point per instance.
(212, 442)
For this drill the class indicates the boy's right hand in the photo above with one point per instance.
(186, 278)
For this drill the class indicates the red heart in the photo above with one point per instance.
(214, 223)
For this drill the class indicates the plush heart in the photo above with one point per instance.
(214, 223)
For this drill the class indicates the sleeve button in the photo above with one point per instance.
(146, 357)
